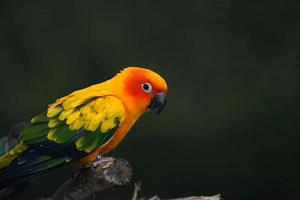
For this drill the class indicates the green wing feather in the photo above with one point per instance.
(91, 141)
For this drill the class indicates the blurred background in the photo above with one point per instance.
(231, 125)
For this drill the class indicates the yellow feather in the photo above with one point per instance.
(7, 158)
(95, 118)
(89, 126)
(65, 114)
(53, 122)
(92, 127)
(59, 101)
(106, 125)
(53, 111)
(73, 103)
(81, 96)
(66, 104)
(73, 116)
(100, 102)
(85, 108)
(78, 142)
(77, 124)
(51, 134)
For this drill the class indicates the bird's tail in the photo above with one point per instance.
(6, 159)
(22, 163)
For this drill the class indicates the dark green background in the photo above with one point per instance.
(231, 125)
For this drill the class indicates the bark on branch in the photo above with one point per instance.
(137, 189)
(101, 175)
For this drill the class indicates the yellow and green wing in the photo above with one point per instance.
(73, 127)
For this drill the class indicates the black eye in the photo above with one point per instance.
(147, 87)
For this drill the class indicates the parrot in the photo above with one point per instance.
(83, 124)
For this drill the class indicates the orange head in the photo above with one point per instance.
(140, 89)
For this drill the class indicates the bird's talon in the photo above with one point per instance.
(98, 157)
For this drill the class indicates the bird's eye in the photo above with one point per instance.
(147, 87)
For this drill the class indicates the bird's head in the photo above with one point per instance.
(141, 89)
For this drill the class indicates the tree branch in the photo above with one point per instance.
(137, 189)
(103, 174)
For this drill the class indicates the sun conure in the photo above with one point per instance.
(84, 124)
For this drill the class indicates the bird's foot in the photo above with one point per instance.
(98, 157)
(100, 160)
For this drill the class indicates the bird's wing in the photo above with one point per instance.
(73, 127)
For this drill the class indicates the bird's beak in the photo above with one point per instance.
(159, 102)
